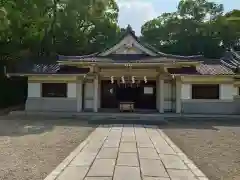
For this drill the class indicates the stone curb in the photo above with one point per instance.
(59, 169)
(101, 114)
(190, 164)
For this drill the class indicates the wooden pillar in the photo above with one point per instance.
(161, 95)
(178, 96)
(79, 95)
(157, 94)
(96, 93)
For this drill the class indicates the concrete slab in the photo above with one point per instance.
(181, 174)
(155, 178)
(148, 153)
(128, 147)
(128, 139)
(98, 178)
(102, 167)
(74, 173)
(107, 153)
(127, 173)
(173, 162)
(110, 154)
(83, 159)
(111, 143)
(152, 167)
(144, 144)
(127, 159)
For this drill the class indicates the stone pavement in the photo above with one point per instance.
(127, 152)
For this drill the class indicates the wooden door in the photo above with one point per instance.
(108, 95)
(146, 96)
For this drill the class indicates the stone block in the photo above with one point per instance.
(108, 153)
(152, 167)
(111, 143)
(102, 168)
(73, 173)
(128, 139)
(181, 174)
(148, 153)
(128, 147)
(127, 173)
(83, 159)
(155, 178)
(127, 159)
(173, 162)
(98, 178)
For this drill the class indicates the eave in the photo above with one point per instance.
(58, 75)
(112, 64)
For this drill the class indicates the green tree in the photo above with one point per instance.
(197, 27)
(45, 27)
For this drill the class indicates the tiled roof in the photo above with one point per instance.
(224, 66)
(202, 69)
(51, 67)
(231, 59)
(214, 69)
(127, 57)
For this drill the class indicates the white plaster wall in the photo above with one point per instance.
(34, 89)
(71, 90)
(235, 91)
(89, 90)
(167, 96)
(227, 91)
(186, 91)
(88, 95)
(88, 104)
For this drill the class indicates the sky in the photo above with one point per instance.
(136, 12)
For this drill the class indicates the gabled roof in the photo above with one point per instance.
(224, 66)
(129, 38)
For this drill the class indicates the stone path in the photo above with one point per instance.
(129, 152)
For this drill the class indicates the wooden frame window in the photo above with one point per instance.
(54, 90)
(205, 91)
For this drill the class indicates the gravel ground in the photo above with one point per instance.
(214, 147)
(31, 149)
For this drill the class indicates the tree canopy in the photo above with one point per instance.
(76, 27)
(45, 27)
(197, 27)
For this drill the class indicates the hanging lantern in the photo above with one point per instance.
(123, 80)
(145, 79)
(133, 79)
(112, 79)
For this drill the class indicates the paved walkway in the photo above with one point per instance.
(127, 153)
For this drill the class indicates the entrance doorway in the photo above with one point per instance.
(143, 95)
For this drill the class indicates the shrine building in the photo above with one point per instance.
(132, 76)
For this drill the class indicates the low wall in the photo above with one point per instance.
(211, 106)
(51, 104)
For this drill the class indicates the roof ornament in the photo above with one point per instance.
(123, 80)
(133, 79)
(112, 79)
(145, 79)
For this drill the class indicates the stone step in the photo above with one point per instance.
(128, 120)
